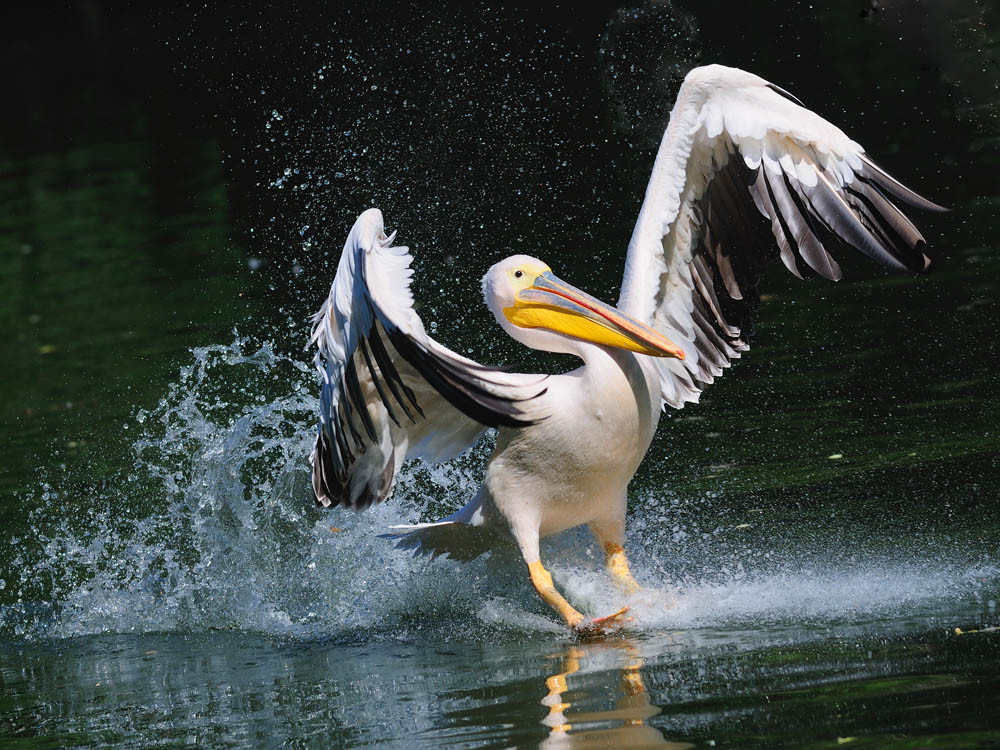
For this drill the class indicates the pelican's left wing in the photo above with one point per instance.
(738, 148)
(390, 392)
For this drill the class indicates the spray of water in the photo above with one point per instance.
(214, 528)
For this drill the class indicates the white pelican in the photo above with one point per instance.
(736, 148)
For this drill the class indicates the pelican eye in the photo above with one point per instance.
(518, 274)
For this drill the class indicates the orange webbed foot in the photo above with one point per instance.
(601, 625)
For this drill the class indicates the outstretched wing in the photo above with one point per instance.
(736, 148)
(390, 392)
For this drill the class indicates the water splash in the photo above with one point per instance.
(214, 528)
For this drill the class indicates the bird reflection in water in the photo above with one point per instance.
(624, 726)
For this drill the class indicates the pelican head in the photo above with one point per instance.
(543, 312)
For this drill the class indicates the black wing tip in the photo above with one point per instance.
(324, 495)
(787, 94)
(886, 181)
(331, 480)
(325, 502)
(863, 218)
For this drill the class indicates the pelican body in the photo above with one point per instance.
(738, 151)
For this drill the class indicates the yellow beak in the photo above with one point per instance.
(553, 304)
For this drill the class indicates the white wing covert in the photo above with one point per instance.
(390, 392)
(738, 148)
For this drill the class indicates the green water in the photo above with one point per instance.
(177, 185)
(775, 688)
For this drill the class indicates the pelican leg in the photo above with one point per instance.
(617, 564)
(526, 535)
(611, 536)
(541, 579)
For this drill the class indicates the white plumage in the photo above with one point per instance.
(736, 149)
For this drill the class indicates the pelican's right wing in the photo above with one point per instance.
(390, 392)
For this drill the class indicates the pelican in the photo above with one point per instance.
(737, 151)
